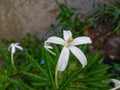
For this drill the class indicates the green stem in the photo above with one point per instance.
(50, 51)
(50, 72)
(12, 62)
(56, 77)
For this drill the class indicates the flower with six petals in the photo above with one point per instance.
(69, 44)
(13, 46)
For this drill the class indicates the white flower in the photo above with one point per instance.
(69, 44)
(13, 46)
(117, 84)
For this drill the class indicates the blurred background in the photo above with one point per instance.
(19, 17)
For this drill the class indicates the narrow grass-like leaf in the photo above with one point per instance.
(41, 83)
(50, 71)
(98, 85)
(94, 78)
(101, 70)
(91, 62)
(11, 80)
(34, 76)
(27, 67)
(4, 54)
(70, 78)
(37, 65)
(27, 86)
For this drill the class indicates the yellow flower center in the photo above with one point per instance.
(68, 41)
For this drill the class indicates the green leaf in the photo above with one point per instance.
(117, 67)
(35, 76)
(37, 66)
(70, 78)
(50, 71)
(41, 83)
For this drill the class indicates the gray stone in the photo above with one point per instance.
(18, 17)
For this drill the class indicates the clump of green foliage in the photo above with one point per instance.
(107, 15)
(33, 75)
(69, 19)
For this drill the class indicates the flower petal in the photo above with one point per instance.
(13, 49)
(63, 59)
(19, 47)
(81, 40)
(55, 40)
(67, 35)
(49, 47)
(116, 88)
(115, 81)
(79, 55)
(16, 44)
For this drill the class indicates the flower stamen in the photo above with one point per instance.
(68, 41)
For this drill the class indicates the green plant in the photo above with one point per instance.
(69, 19)
(33, 75)
(107, 15)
